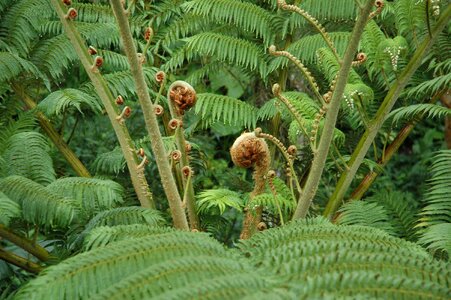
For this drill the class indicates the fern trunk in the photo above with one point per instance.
(167, 179)
(374, 126)
(320, 157)
(136, 174)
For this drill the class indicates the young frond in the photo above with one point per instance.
(213, 108)
(83, 275)
(218, 199)
(11, 65)
(104, 235)
(409, 113)
(9, 209)
(93, 194)
(224, 48)
(246, 15)
(63, 100)
(27, 155)
(39, 206)
(111, 162)
(365, 214)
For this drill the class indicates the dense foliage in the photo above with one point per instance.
(126, 124)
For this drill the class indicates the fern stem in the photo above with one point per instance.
(32, 248)
(150, 119)
(390, 99)
(319, 159)
(20, 262)
(78, 167)
(136, 175)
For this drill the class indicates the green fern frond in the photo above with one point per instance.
(297, 136)
(213, 108)
(113, 60)
(181, 28)
(224, 48)
(330, 66)
(94, 13)
(337, 10)
(303, 104)
(8, 209)
(93, 194)
(111, 162)
(218, 199)
(11, 65)
(245, 15)
(371, 38)
(410, 18)
(410, 112)
(267, 200)
(117, 261)
(126, 216)
(25, 122)
(365, 214)
(431, 87)
(437, 238)
(39, 206)
(27, 155)
(104, 235)
(305, 49)
(63, 100)
(197, 76)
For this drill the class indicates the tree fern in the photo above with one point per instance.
(408, 113)
(39, 206)
(219, 199)
(27, 155)
(93, 194)
(63, 100)
(213, 108)
(9, 209)
(225, 48)
(365, 214)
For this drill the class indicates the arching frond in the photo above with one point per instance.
(111, 162)
(104, 235)
(431, 87)
(126, 216)
(330, 66)
(213, 108)
(267, 200)
(437, 238)
(410, 18)
(25, 122)
(27, 155)
(93, 194)
(62, 100)
(181, 28)
(410, 112)
(9, 209)
(11, 65)
(38, 205)
(303, 104)
(365, 214)
(222, 47)
(218, 200)
(246, 15)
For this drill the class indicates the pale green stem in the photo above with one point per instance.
(319, 160)
(390, 99)
(159, 152)
(136, 174)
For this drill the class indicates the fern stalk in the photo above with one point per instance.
(19, 261)
(331, 116)
(32, 248)
(390, 99)
(78, 167)
(136, 174)
(168, 181)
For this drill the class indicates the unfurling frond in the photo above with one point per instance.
(213, 108)
(62, 100)
(410, 112)
(225, 48)
(365, 214)
(27, 155)
(220, 200)
(8, 209)
(39, 206)
(93, 194)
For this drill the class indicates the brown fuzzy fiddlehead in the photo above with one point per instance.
(182, 96)
(247, 151)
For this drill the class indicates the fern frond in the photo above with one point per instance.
(11, 65)
(224, 48)
(63, 100)
(213, 108)
(218, 199)
(104, 235)
(410, 18)
(126, 216)
(93, 194)
(304, 105)
(8, 209)
(437, 238)
(27, 155)
(431, 87)
(181, 28)
(247, 16)
(25, 122)
(111, 162)
(38, 205)
(267, 200)
(410, 112)
(297, 136)
(330, 66)
(365, 214)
